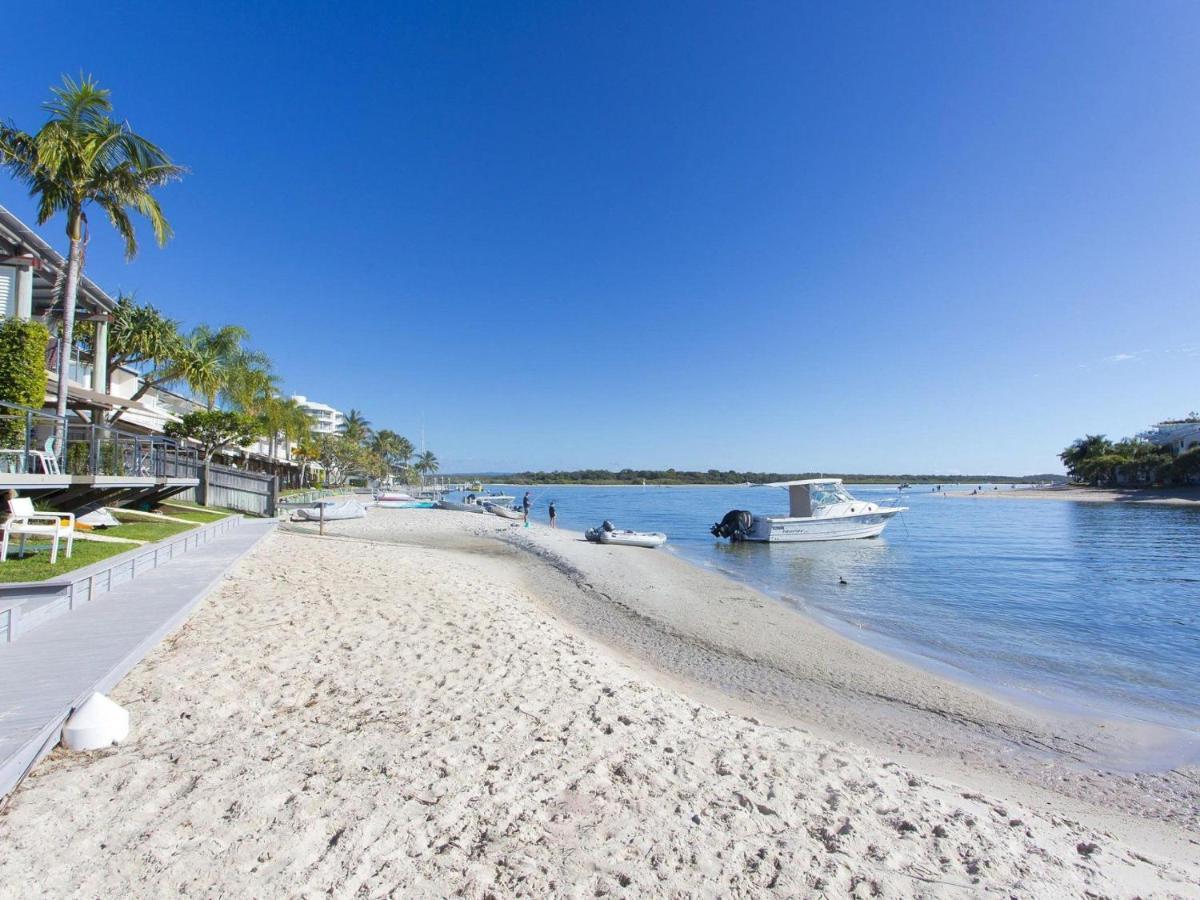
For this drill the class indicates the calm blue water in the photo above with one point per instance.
(1096, 604)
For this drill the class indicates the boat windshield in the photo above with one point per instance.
(827, 495)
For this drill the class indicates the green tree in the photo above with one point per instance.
(216, 429)
(211, 361)
(82, 157)
(355, 427)
(427, 463)
(138, 334)
(1082, 450)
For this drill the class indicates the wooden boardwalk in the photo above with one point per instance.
(50, 671)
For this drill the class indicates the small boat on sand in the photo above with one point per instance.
(393, 495)
(821, 510)
(332, 510)
(460, 507)
(505, 512)
(405, 504)
(608, 534)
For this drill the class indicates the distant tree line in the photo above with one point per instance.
(730, 476)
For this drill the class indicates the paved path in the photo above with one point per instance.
(50, 671)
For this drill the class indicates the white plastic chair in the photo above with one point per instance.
(48, 458)
(24, 521)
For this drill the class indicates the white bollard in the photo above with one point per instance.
(97, 724)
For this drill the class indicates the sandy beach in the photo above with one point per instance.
(426, 703)
(1174, 496)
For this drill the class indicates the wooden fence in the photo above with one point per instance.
(248, 492)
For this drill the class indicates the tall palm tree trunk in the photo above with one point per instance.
(74, 265)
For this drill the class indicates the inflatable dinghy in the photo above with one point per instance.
(609, 534)
(633, 538)
(503, 511)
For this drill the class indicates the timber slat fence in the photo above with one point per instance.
(248, 492)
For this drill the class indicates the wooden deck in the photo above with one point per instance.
(53, 669)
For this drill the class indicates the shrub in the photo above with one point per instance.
(22, 373)
(77, 458)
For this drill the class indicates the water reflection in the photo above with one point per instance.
(1101, 601)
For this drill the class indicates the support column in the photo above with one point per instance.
(100, 359)
(24, 306)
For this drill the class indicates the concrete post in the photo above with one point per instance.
(100, 359)
(24, 305)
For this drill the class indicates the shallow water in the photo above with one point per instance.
(1096, 605)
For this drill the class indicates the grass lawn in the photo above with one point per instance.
(38, 568)
(194, 513)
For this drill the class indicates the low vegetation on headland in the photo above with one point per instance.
(731, 477)
(1095, 460)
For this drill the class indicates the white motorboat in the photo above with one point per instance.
(505, 512)
(821, 510)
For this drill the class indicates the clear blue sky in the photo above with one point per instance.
(877, 237)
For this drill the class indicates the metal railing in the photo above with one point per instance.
(105, 450)
(34, 442)
(27, 440)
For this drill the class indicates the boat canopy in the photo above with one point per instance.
(810, 494)
(804, 481)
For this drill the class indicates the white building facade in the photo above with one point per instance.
(1177, 435)
(326, 419)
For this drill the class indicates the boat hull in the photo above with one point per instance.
(784, 530)
(404, 504)
(460, 507)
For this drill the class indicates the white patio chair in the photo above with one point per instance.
(48, 458)
(24, 521)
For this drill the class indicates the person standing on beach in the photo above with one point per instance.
(553, 515)
(525, 504)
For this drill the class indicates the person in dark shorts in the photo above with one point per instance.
(525, 504)
(553, 515)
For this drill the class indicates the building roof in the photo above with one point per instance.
(18, 239)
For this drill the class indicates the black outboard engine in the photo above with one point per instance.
(608, 526)
(736, 525)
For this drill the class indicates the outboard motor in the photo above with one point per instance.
(736, 524)
(609, 526)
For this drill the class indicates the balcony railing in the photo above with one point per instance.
(29, 440)
(36, 442)
(104, 450)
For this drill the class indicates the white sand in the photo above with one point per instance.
(1174, 496)
(421, 718)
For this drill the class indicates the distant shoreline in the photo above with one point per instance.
(1174, 496)
(848, 479)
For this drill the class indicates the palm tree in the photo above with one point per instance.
(248, 386)
(295, 423)
(82, 157)
(403, 451)
(355, 427)
(427, 463)
(212, 361)
(1083, 449)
